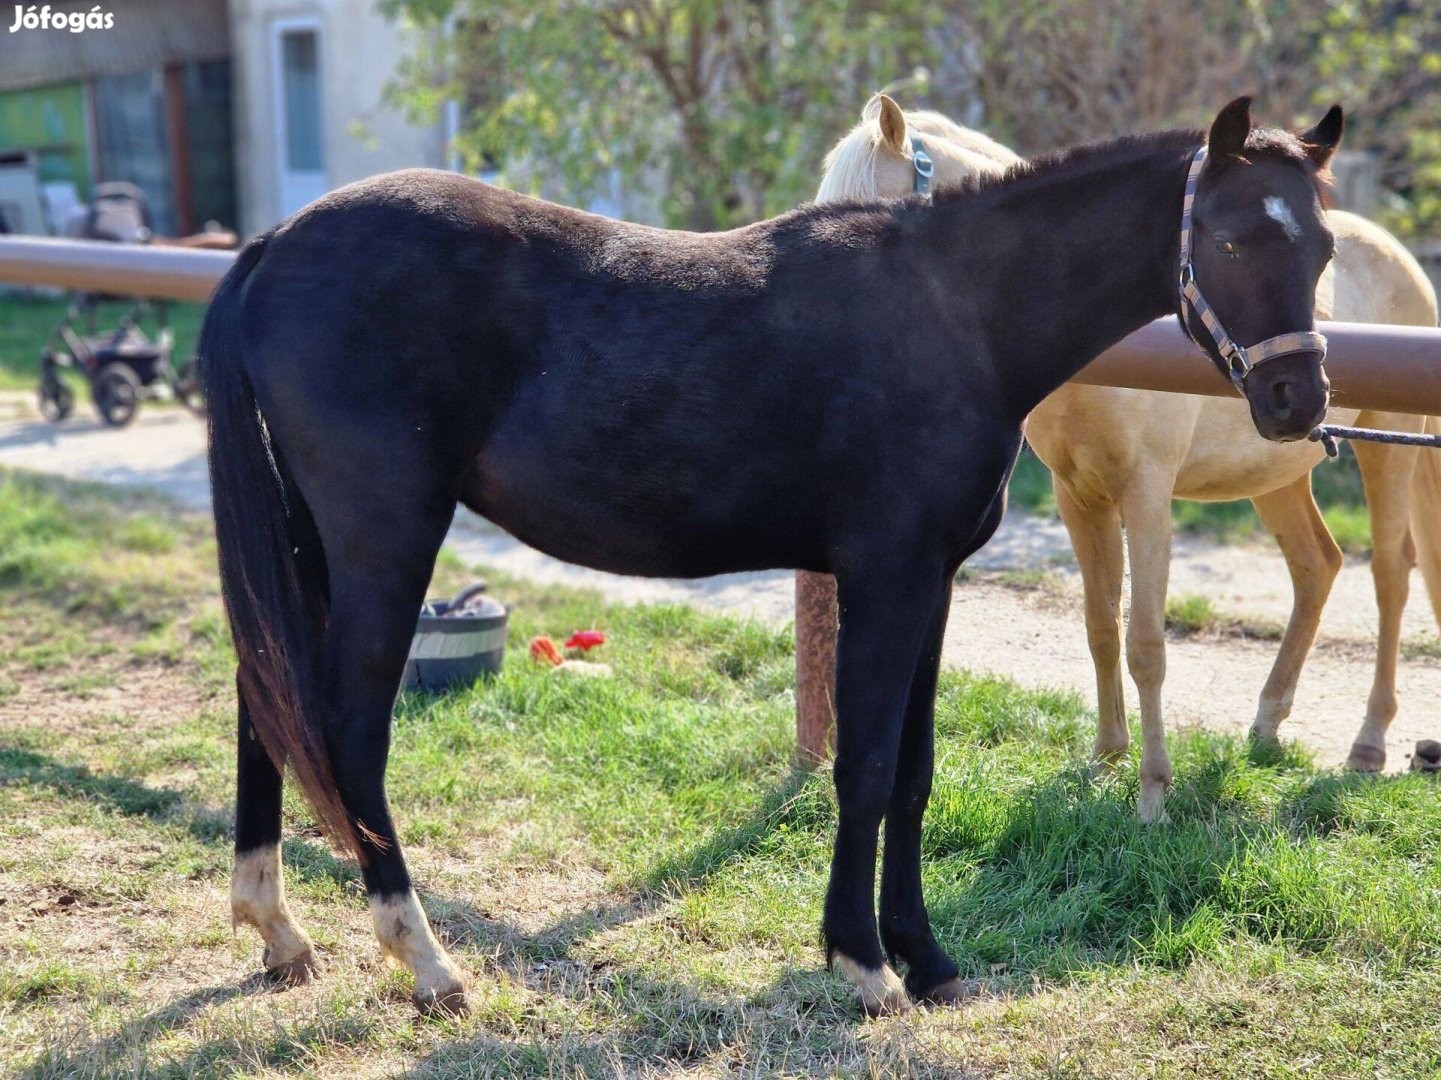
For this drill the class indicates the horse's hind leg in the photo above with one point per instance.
(257, 887)
(1314, 560)
(379, 570)
(1387, 472)
(885, 614)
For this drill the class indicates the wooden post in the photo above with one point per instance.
(177, 131)
(816, 625)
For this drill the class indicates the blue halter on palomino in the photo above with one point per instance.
(924, 166)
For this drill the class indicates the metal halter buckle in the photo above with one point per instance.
(924, 167)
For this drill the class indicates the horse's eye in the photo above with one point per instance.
(1225, 247)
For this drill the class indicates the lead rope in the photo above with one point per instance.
(1327, 434)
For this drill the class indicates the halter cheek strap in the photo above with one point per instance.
(924, 167)
(1240, 360)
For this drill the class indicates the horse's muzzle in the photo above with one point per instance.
(1288, 396)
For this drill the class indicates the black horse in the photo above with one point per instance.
(840, 389)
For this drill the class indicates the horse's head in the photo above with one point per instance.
(1258, 243)
(877, 158)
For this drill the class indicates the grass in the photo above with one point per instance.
(1191, 614)
(27, 321)
(632, 872)
(1336, 484)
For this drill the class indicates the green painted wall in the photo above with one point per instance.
(50, 119)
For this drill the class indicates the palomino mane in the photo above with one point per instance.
(851, 165)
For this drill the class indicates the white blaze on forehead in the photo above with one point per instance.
(1278, 211)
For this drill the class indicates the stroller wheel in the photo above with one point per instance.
(117, 391)
(57, 401)
(187, 388)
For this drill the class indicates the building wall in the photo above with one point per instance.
(359, 53)
(51, 121)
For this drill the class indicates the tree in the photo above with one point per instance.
(1048, 73)
(727, 106)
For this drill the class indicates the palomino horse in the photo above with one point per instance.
(839, 389)
(1119, 456)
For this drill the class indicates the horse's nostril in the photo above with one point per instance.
(1281, 389)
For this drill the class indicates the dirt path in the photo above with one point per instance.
(1033, 635)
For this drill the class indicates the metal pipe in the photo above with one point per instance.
(1371, 365)
(156, 273)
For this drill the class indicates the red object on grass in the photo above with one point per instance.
(543, 651)
(585, 640)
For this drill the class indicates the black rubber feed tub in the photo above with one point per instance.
(456, 642)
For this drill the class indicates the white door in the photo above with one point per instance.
(299, 119)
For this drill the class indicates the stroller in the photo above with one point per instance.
(124, 365)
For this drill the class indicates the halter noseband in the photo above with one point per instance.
(923, 165)
(1239, 360)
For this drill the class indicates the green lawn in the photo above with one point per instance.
(632, 873)
(1337, 486)
(26, 324)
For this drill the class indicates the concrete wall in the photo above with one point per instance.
(359, 52)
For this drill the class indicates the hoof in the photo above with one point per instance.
(444, 1002)
(1151, 808)
(881, 991)
(1366, 758)
(1104, 766)
(950, 992)
(296, 972)
(1427, 757)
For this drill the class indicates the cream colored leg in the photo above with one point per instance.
(257, 898)
(1314, 560)
(1096, 539)
(1387, 472)
(405, 936)
(1146, 510)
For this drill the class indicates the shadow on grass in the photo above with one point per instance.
(309, 860)
(786, 803)
(1062, 880)
(124, 1048)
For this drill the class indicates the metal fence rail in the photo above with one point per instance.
(155, 273)
(1390, 368)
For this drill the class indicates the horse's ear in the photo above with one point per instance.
(893, 125)
(1229, 130)
(1321, 141)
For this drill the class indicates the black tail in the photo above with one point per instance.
(272, 565)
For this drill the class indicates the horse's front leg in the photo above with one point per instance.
(1146, 511)
(885, 615)
(931, 975)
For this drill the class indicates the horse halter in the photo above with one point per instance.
(1239, 360)
(924, 166)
